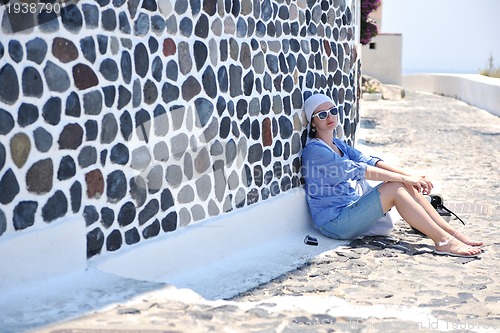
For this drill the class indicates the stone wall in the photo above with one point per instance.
(144, 117)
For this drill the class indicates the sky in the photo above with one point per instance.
(451, 36)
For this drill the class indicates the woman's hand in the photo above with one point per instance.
(420, 183)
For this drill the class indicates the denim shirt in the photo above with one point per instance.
(327, 177)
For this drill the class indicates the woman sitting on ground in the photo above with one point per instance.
(339, 212)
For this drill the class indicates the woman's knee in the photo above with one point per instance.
(392, 188)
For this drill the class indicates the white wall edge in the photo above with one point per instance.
(223, 256)
(477, 90)
(37, 255)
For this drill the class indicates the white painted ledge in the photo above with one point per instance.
(33, 256)
(228, 254)
(477, 90)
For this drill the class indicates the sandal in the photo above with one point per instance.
(446, 251)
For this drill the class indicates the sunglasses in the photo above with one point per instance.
(322, 115)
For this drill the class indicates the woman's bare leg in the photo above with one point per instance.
(396, 194)
(431, 211)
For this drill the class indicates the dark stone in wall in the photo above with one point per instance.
(138, 190)
(91, 15)
(126, 126)
(87, 45)
(172, 70)
(9, 186)
(48, 22)
(190, 88)
(104, 156)
(71, 18)
(3, 156)
(90, 215)
(169, 222)
(114, 241)
(31, 82)
(71, 137)
(200, 54)
(141, 60)
(286, 127)
(107, 217)
(132, 236)
(248, 84)
(151, 230)
(56, 207)
(51, 111)
(210, 7)
(116, 186)
(108, 20)
(67, 168)
(124, 23)
(141, 25)
(210, 131)
(43, 139)
(150, 5)
(16, 51)
(157, 24)
(109, 95)
(188, 166)
(223, 79)
(39, 177)
(184, 58)
(127, 213)
(95, 242)
(167, 200)
(6, 121)
(132, 7)
(3, 221)
(149, 211)
(64, 50)
(235, 73)
(109, 69)
(124, 97)
(87, 156)
(169, 48)
(24, 214)
(157, 69)
(57, 79)
(92, 103)
(95, 183)
(170, 92)
(102, 43)
(20, 147)
(160, 121)
(109, 128)
(84, 77)
(75, 196)
(36, 49)
(201, 28)
(119, 154)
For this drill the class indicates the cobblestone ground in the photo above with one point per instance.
(376, 284)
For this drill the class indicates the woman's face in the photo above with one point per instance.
(327, 124)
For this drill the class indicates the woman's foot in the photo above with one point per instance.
(466, 240)
(455, 248)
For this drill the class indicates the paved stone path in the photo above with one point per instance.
(376, 284)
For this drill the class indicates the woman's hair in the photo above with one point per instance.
(311, 134)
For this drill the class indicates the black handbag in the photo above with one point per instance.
(438, 203)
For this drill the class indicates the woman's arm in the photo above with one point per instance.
(388, 167)
(417, 182)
